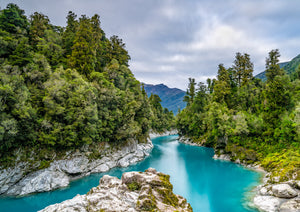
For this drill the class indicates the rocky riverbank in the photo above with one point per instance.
(166, 133)
(136, 191)
(19, 180)
(270, 196)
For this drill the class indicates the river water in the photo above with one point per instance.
(209, 185)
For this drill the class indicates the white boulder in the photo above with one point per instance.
(292, 205)
(266, 203)
(284, 191)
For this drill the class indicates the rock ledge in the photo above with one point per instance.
(16, 181)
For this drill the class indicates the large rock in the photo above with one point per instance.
(222, 157)
(266, 203)
(40, 181)
(284, 191)
(10, 176)
(148, 191)
(14, 181)
(76, 165)
(265, 191)
(166, 133)
(292, 205)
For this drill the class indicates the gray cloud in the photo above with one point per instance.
(172, 40)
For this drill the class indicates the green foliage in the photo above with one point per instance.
(291, 67)
(162, 118)
(44, 164)
(243, 69)
(16, 112)
(272, 67)
(117, 50)
(83, 51)
(64, 88)
(39, 23)
(68, 36)
(248, 119)
(283, 164)
(50, 47)
(134, 186)
(190, 93)
(13, 19)
(70, 110)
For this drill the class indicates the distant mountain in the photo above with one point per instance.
(171, 98)
(290, 67)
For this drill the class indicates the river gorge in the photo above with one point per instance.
(209, 185)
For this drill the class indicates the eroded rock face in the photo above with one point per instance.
(284, 191)
(14, 181)
(10, 176)
(136, 191)
(44, 180)
(166, 133)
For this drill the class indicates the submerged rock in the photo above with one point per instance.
(14, 181)
(136, 191)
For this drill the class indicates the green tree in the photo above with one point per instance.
(39, 23)
(16, 113)
(272, 67)
(50, 47)
(190, 93)
(83, 51)
(117, 50)
(200, 100)
(22, 55)
(222, 89)
(277, 93)
(68, 36)
(13, 19)
(243, 68)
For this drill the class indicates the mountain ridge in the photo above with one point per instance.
(172, 98)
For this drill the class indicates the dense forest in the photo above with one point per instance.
(65, 87)
(247, 118)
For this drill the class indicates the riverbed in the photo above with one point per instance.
(209, 185)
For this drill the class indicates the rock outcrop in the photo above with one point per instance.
(136, 191)
(284, 191)
(17, 181)
(282, 197)
(166, 133)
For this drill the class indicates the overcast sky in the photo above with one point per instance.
(172, 40)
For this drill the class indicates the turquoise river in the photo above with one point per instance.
(209, 185)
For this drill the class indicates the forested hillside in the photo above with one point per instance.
(289, 67)
(247, 118)
(65, 87)
(171, 98)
